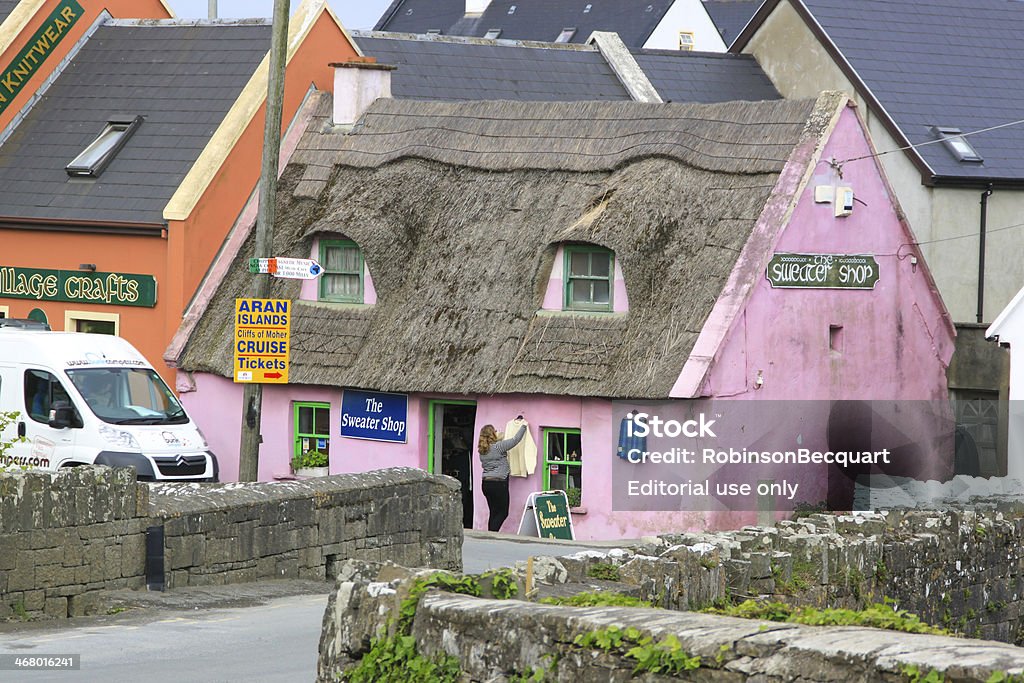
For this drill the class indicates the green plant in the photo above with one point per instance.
(604, 570)
(596, 599)
(803, 509)
(8, 418)
(914, 674)
(395, 660)
(503, 583)
(20, 611)
(880, 615)
(309, 459)
(575, 497)
(1004, 677)
(665, 656)
(464, 585)
(881, 571)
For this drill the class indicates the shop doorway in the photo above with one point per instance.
(451, 447)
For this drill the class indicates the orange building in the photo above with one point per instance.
(129, 150)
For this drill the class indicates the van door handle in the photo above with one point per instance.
(21, 429)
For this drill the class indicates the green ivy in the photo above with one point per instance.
(1004, 677)
(914, 675)
(879, 615)
(464, 585)
(606, 571)
(395, 660)
(9, 418)
(503, 583)
(665, 656)
(597, 599)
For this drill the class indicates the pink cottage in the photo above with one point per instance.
(568, 263)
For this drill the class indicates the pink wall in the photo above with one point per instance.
(896, 340)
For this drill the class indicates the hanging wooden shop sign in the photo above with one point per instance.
(823, 271)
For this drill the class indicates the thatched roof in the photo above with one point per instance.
(459, 208)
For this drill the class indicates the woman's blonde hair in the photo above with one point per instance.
(488, 436)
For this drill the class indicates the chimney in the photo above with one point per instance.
(357, 83)
(475, 8)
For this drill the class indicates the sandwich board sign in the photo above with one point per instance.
(546, 515)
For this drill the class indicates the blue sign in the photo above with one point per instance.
(374, 416)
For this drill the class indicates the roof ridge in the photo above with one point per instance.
(470, 40)
(256, 21)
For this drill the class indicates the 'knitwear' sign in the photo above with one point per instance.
(37, 49)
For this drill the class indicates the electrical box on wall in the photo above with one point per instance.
(844, 201)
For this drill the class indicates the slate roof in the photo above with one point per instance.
(182, 77)
(531, 19)
(705, 76)
(489, 70)
(730, 16)
(6, 7)
(951, 63)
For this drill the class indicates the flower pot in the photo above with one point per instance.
(309, 472)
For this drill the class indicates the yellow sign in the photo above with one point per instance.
(262, 340)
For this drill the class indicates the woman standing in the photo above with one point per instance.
(494, 459)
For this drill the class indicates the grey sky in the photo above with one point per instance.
(354, 14)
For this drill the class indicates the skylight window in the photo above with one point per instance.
(101, 151)
(433, 31)
(956, 143)
(493, 34)
(586, 10)
(512, 9)
(686, 40)
(566, 35)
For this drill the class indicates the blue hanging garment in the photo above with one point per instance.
(628, 442)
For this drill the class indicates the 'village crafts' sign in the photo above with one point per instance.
(823, 271)
(37, 49)
(73, 286)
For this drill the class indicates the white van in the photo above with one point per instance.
(93, 399)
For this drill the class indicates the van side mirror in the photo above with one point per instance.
(62, 415)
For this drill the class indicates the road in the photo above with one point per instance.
(260, 635)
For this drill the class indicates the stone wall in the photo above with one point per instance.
(66, 536)
(495, 640)
(960, 570)
(302, 529)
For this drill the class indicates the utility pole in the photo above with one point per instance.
(252, 394)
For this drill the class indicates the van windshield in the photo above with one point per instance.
(125, 396)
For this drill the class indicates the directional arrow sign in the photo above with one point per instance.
(291, 268)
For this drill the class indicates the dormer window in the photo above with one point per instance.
(957, 144)
(566, 35)
(686, 41)
(342, 279)
(589, 278)
(101, 151)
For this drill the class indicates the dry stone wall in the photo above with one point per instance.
(962, 570)
(501, 640)
(67, 536)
